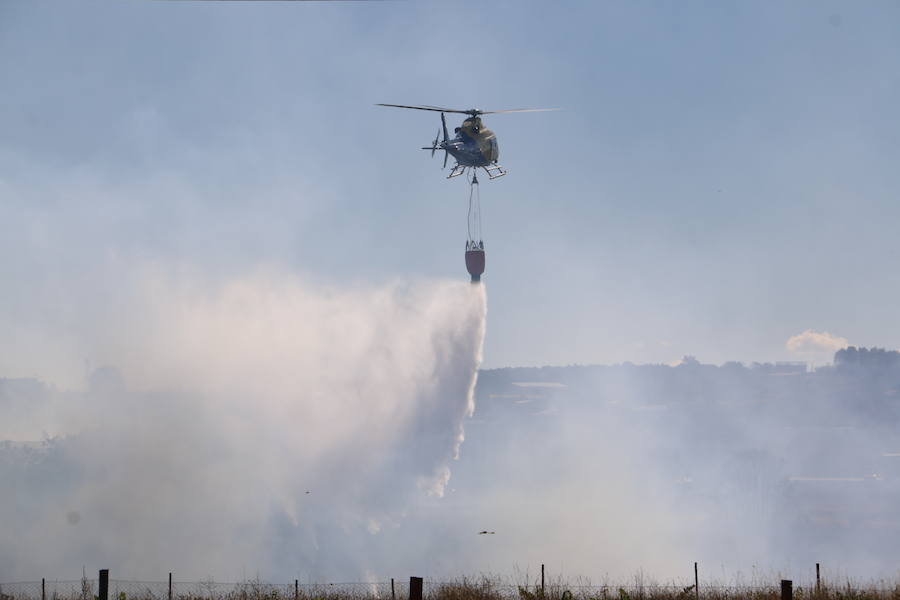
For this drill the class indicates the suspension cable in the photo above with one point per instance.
(469, 213)
(473, 217)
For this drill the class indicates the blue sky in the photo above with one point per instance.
(722, 177)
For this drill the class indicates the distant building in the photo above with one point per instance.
(790, 367)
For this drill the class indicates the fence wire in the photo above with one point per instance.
(486, 589)
(87, 589)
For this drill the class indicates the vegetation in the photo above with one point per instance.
(482, 588)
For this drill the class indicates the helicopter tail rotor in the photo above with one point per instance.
(434, 145)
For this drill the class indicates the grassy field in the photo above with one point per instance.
(479, 588)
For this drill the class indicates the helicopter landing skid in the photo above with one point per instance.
(456, 171)
(494, 171)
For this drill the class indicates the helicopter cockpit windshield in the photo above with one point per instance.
(472, 126)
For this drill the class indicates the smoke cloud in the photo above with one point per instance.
(814, 343)
(265, 426)
(755, 471)
(257, 426)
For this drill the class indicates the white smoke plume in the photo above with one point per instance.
(815, 345)
(259, 426)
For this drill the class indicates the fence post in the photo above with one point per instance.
(296, 589)
(43, 589)
(696, 582)
(542, 579)
(787, 589)
(103, 592)
(170, 586)
(818, 581)
(393, 595)
(415, 588)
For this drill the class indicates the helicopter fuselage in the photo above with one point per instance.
(473, 145)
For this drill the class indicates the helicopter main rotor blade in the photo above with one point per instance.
(515, 110)
(472, 111)
(433, 108)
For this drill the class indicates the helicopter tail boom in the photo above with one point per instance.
(444, 125)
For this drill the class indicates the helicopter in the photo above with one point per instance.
(474, 146)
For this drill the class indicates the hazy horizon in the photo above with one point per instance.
(750, 470)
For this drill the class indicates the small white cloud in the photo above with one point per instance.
(814, 342)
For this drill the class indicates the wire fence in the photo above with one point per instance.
(87, 589)
(473, 589)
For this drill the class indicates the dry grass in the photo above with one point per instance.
(479, 588)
